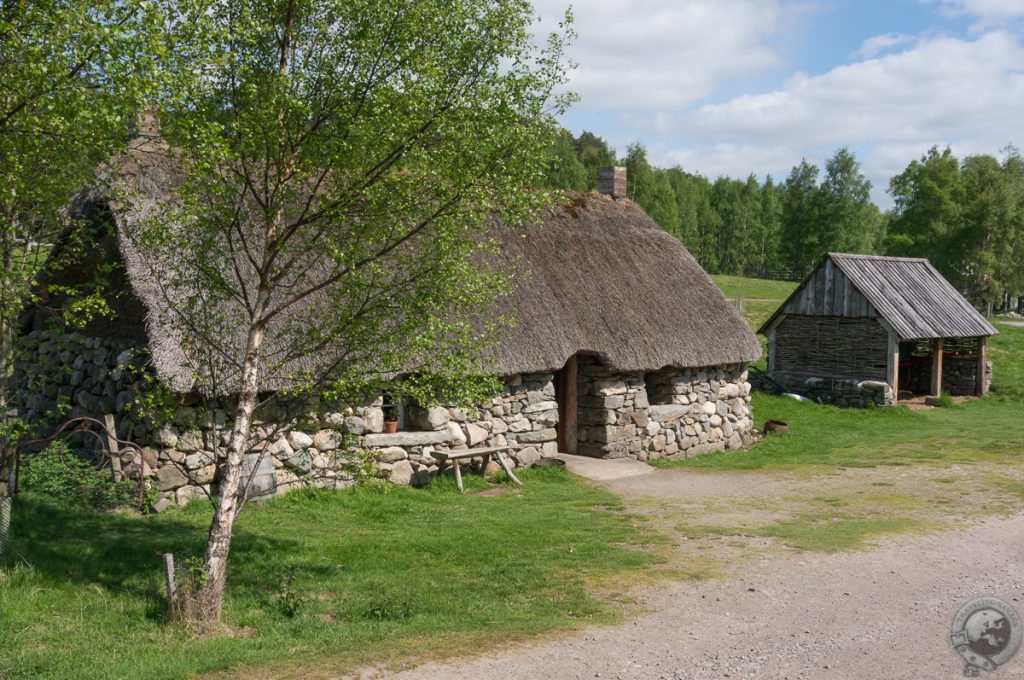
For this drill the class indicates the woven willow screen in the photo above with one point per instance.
(832, 346)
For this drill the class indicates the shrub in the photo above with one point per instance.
(60, 474)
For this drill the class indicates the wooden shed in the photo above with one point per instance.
(864, 328)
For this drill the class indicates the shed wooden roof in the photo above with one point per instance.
(908, 293)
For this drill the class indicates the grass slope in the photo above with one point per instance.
(379, 574)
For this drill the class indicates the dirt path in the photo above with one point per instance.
(779, 613)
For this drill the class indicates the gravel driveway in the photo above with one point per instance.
(881, 613)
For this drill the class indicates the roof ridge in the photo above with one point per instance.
(861, 256)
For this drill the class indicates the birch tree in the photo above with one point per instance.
(342, 162)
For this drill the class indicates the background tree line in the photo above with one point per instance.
(966, 216)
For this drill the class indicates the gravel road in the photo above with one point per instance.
(878, 614)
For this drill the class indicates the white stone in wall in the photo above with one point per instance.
(401, 473)
(355, 425)
(393, 454)
(326, 440)
(166, 436)
(527, 456)
(374, 419)
(474, 434)
(540, 406)
(456, 434)
(299, 440)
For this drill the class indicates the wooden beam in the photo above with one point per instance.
(566, 395)
(893, 366)
(937, 367)
(980, 388)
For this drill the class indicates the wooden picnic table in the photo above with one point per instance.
(454, 457)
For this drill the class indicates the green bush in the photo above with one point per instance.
(63, 476)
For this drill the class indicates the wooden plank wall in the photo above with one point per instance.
(829, 293)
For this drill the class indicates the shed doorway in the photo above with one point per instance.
(566, 396)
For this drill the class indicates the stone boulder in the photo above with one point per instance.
(401, 473)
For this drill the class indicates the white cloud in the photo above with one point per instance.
(965, 93)
(657, 55)
(872, 47)
(942, 88)
(988, 12)
(732, 160)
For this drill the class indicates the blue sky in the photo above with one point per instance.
(739, 86)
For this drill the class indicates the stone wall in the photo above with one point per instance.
(674, 412)
(959, 375)
(699, 410)
(66, 376)
(837, 391)
(70, 375)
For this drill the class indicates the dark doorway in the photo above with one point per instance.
(565, 395)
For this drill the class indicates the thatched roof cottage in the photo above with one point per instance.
(624, 347)
(864, 329)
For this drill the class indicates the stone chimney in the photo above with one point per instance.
(611, 181)
(146, 124)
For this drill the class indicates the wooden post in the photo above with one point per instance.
(113, 449)
(566, 396)
(893, 368)
(172, 588)
(508, 468)
(458, 475)
(980, 387)
(937, 367)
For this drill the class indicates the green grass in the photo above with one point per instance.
(989, 429)
(380, 574)
(760, 299)
(816, 532)
(1006, 352)
(742, 287)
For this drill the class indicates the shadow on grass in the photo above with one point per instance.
(122, 553)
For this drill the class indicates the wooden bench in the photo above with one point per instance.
(454, 457)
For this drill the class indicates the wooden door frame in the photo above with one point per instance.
(566, 396)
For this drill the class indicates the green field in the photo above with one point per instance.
(757, 298)
(760, 289)
(379, 573)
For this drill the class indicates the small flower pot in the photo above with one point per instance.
(391, 426)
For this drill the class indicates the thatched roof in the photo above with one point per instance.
(597, 275)
(908, 293)
(603, 277)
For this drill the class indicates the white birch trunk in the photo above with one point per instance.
(218, 542)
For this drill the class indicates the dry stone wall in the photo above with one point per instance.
(837, 391)
(959, 375)
(673, 412)
(62, 376)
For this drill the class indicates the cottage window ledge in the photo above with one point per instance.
(410, 438)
